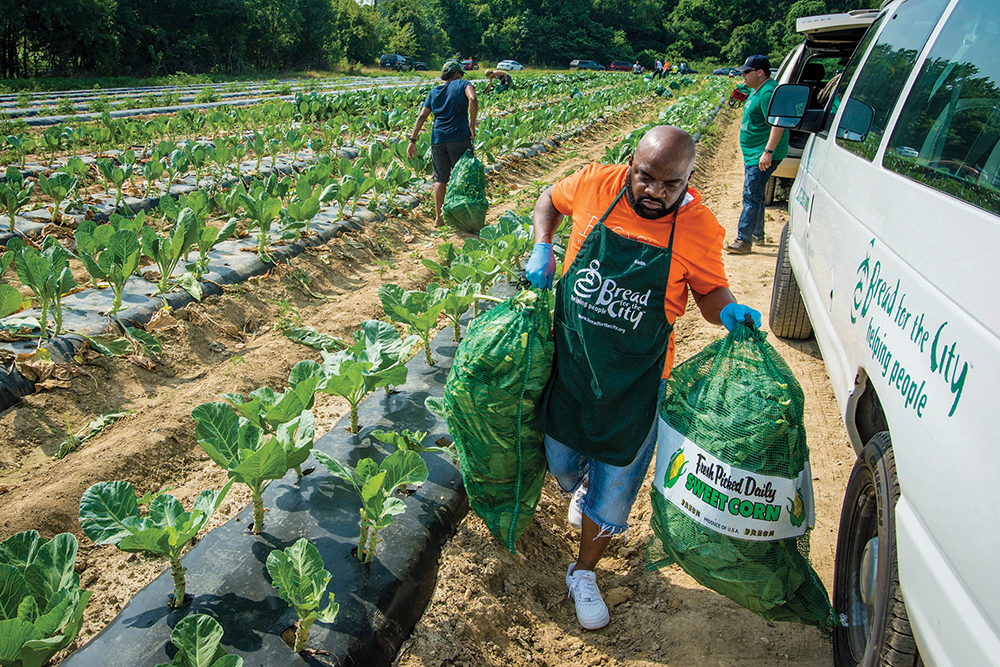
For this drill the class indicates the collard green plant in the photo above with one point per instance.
(242, 449)
(375, 485)
(457, 300)
(298, 574)
(198, 639)
(109, 514)
(41, 604)
(115, 263)
(46, 272)
(208, 238)
(10, 300)
(262, 210)
(412, 441)
(417, 309)
(314, 339)
(59, 185)
(15, 193)
(167, 251)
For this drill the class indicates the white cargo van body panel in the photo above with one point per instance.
(899, 282)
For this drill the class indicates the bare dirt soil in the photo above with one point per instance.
(489, 608)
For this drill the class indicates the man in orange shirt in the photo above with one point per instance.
(628, 268)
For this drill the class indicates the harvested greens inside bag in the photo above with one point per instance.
(732, 496)
(465, 203)
(499, 372)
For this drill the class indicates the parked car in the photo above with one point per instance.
(419, 66)
(469, 65)
(888, 258)
(510, 65)
(584, 64)
(830, 39)
(620, 66)
(396, 62)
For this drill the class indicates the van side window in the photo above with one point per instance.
(844, 78)
(948, 134)
(885, 72)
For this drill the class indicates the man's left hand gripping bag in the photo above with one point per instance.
(498, 376)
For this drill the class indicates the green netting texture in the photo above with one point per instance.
(465, 202)
(500, 370)
(738, 400)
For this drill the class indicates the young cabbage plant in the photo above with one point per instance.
(457, 300)
(115, 263)
(412, 441)
(377, 358)
(22, 145)
(375, 485)
(15, 193)
(167, 251)
(46, 272)
(262, 209)
(198, 639)
(418, 310)
(286, 415)
(242, 449)
(59, 185)
(152, 170)
(109, 514)
(41, 604)
(208, 239)
(298, 574)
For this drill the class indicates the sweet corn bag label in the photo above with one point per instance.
(729, 500)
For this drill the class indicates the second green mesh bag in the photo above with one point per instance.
(465, 203)
(732, 496)
(497, 378)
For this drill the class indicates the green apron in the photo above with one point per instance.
(611, 337)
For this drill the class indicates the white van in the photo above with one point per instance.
(892, 244)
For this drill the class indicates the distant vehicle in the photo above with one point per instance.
(585, 64)
(469, 65)
(510, 65)
(620, 66)
(396, 62)
(419, 65)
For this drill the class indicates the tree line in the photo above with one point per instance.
(156, 37)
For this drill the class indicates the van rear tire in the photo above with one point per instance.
(866, 580)
(788, 317)
(769, 191)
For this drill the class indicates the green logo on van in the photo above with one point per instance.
(802, 198)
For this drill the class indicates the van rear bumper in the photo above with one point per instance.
(950, 627)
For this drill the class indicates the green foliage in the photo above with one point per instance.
(417, 309)
(167, 251)
(411, 441)
(198, 639)
(109, 514)
(116, 261)
(46, 273)
(15, 193)
(298, 574)
(41, 604)
(375, 485)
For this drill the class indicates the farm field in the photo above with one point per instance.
(511, 611)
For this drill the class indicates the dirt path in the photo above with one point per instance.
(491, 608)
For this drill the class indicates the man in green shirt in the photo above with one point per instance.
(763, 148)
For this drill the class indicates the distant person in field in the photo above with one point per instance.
(636, 68)
(658, 69)
(455, 108)
(499, 80)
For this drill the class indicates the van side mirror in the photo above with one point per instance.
(790, 108)
(856, 121)
(788, 105)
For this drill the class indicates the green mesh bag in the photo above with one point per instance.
(732, 495)
(497, 378)
(465, 203)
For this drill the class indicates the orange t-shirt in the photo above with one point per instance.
(697, 252)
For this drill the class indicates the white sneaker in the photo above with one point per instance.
(590, 608)
(575, 513)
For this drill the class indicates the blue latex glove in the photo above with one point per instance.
(541, 266)
(736, 312)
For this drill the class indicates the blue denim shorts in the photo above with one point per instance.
(611, 490)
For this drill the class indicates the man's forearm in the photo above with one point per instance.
(711, 304)
(546, 217)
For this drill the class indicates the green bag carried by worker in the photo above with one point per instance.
(465, 203)
(732, 495)
(498, 375)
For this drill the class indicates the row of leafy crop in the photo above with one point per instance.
(257, 439)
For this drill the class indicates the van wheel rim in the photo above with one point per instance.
(864, 588)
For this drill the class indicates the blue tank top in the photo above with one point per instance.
(450, 107)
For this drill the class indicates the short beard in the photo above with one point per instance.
(644, 213)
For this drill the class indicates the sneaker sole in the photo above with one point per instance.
(596, 625)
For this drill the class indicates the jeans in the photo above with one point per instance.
(611, 490)
(752, 218)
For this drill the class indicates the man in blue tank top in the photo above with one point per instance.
(455, 108)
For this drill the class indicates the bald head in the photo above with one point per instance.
(666, 144)
(659, 171)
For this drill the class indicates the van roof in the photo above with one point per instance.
(836, 27)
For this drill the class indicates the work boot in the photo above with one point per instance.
(590, 608)
(739, 247)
